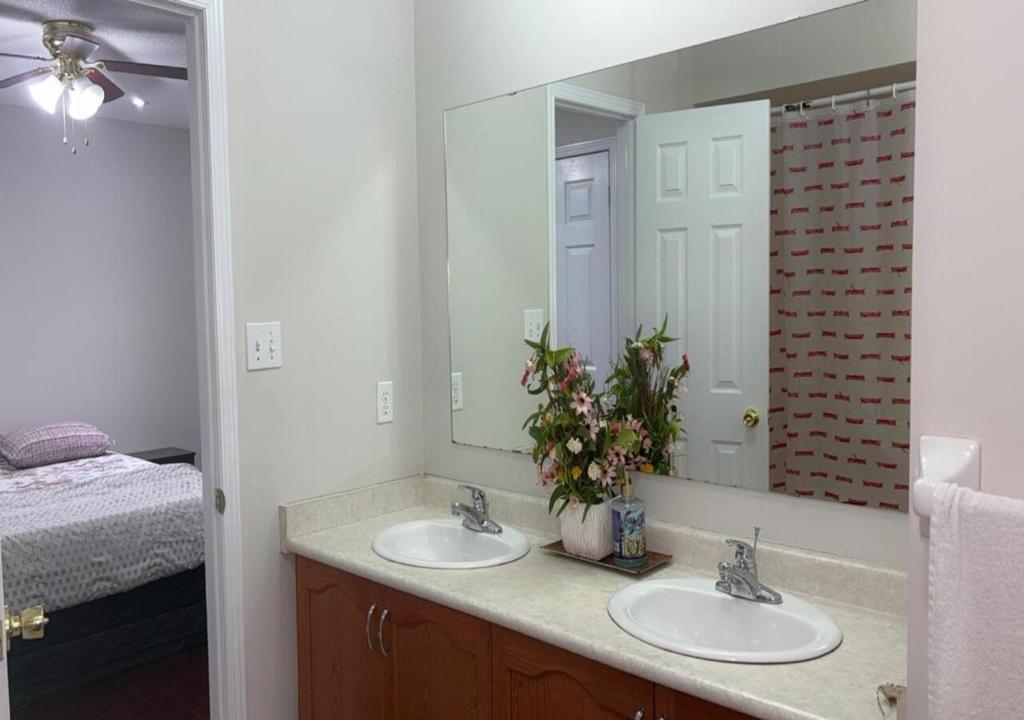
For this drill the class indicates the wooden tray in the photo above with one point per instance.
(654, 559)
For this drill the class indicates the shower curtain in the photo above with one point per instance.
(842, 210)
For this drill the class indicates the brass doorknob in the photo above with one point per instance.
(29, 624)
(751, 418)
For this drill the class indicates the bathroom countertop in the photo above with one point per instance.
(564, 603)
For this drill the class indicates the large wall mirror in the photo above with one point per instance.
(756, 191)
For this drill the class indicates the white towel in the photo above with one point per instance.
(976, 606)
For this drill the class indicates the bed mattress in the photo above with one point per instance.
(83, 530)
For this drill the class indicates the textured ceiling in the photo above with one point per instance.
(126, 31)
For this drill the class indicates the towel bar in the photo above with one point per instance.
(945, 459)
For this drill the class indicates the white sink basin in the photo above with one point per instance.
(692, 618)
(446, 544)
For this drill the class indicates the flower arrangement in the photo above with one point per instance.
(644, 392)
(580, 453)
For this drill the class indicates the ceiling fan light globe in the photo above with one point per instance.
(85, 98)
(47, 92)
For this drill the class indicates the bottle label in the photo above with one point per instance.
(630, 535)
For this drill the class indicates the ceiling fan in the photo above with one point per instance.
(69, 74)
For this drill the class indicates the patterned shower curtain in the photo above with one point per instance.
(842, 210)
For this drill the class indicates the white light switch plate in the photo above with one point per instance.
(533, 324)
(262, 345)
(385, 402)
(456, 391)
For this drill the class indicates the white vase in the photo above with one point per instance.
(590, 538)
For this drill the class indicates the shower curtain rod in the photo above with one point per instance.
(883, 91)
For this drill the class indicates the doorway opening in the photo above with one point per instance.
(121, 264)
(591, 222)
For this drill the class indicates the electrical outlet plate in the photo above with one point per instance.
(533, 324)
(263, 345)
(385, 402)
(456, 391)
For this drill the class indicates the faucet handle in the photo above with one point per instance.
(745, 552)
(479, 497)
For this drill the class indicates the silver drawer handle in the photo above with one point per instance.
(369, 616)
(380, 631)
(639, 714)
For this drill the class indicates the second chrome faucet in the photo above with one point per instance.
(739, 578)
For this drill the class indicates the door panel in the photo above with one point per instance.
(438, 664)
(339, 675)
(535, 681)
(702, 259)
(672, 705)
(584, 276)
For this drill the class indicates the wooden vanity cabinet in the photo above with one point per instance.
(438, 663)
(673, 705)
(369, 652)
(340, 676)
(535, 681)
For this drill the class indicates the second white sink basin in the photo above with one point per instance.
(690, 617)
(446, 544)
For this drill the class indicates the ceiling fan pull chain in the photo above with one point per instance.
(85, 131)
(74, 148)
(64, 117)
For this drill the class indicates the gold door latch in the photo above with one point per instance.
(751, 418)
(29, 624)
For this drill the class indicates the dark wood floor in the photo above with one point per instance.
(172, 689)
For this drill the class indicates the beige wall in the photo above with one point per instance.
(497, 204)
(323, 203)
(968, 329)
(467, 50)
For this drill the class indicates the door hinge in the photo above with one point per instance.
(219, 500)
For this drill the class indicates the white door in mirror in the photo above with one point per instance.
(690, 617)
(702, 253)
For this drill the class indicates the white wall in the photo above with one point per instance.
(323, 203)
(498, 225)
(467, 50)
(97, 298)
(854, 39)
(968, 329)
(574, 127)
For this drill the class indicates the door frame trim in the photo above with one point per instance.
(215, 315)
(568, 96)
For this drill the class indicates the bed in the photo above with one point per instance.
(112, 547)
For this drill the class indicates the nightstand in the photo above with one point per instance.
(167, 456)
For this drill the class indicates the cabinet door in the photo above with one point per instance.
(535, 681)
(673, 705)
(339, 675)
(438, 662)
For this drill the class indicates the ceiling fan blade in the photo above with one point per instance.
(22, 77)
(110, 89)
(164, 71)
(78, 47)
(25, 57)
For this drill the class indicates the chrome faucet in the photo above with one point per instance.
(475, 518)
(739, 578)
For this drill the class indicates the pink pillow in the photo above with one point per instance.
(50, 444)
